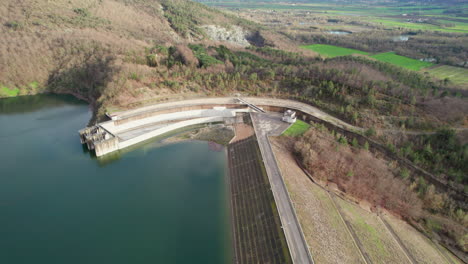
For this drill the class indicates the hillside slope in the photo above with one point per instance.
(78, 46)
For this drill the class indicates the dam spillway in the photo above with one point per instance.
(132, 127)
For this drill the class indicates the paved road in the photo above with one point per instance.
(264, 125)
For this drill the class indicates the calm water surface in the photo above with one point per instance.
(155, 204)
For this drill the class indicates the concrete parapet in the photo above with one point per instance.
(106, 146)
(109, 136)
(98, 139)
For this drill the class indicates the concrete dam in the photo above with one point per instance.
(127, 128)
(132, 127)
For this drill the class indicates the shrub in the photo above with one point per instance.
(342, 140)
(81, 12)
(152, 60)
(366, 145)
(204, 59)
(135, 76)
(370, 132)
(404, 173)
(14, 25)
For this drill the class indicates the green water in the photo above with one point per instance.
(156, 204)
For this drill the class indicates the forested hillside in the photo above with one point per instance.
(78, 46)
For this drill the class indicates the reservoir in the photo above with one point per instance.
(58, 204)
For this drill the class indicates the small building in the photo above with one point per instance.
(289, 116)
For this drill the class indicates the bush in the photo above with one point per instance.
(152, 60)
(342, 140)
(370, 132)
(366, 145)
(14, 25)
(81, 12)
(204, 59)
(404, 173)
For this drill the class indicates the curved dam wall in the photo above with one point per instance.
(121, 133)
(170, 128)
(116, 127)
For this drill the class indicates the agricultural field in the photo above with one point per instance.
(332, 51)
(402, 61)
(458, 27)
(297, 129)
(257, 233)
(455, 75)
(389, 15)
(390, 57)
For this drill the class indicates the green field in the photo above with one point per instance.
(459, 27)
(402, 61)
(390, 57)
(297, 129)
(456, 75)
(379, 13)
(332, 51)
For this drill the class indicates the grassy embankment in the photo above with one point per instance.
(7, 92)
(297, 129)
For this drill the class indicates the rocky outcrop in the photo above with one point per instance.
(234, 35)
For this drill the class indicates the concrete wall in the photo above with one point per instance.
(169, 128)
(106, 146)
(141, 113)
(115, 128)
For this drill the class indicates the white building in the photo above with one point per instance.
(289, 116)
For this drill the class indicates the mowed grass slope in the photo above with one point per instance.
(297, 129)
(455, 75)
(332, 51)
(402, 61)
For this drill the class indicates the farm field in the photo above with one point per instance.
(386, 15)
(257, 233)
(456, 75)
(401, 61)
(459, 27)
(324, 231)
(297, 129)
(390, 57)
(332, 51)
(377, 242)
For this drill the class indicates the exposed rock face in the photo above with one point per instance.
(235, 35)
